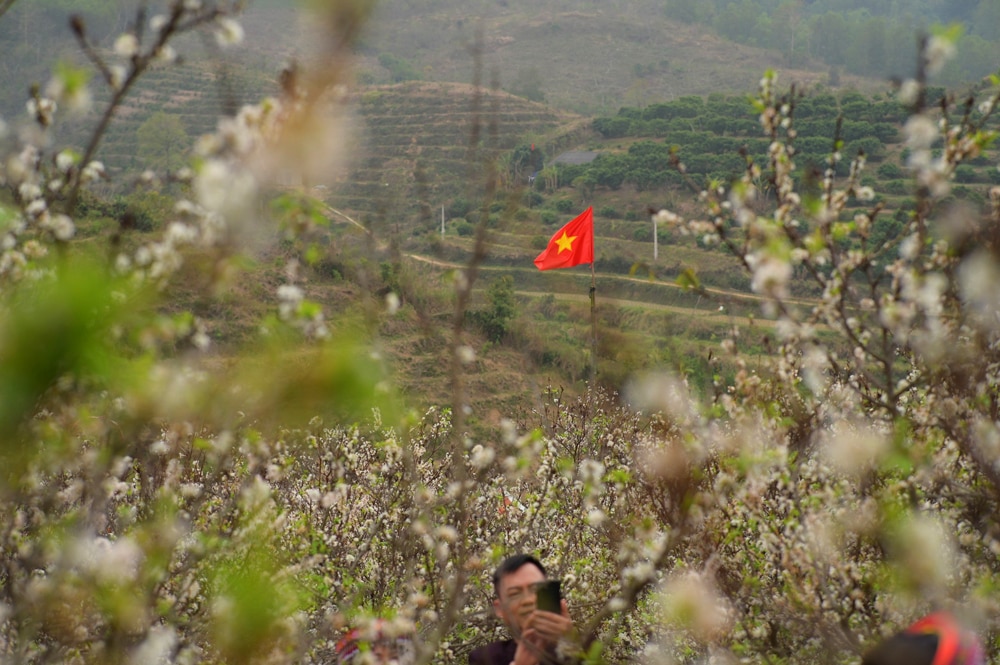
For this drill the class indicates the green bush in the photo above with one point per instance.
(889, 171)
(896, 187)
(495, 320)
(459, 207)
(966, 174)
(564, 205)
(642, 234)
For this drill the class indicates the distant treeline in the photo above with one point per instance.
(855, 36)
(710, 134)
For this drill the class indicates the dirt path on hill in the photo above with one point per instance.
(712, 316)
(726, 293)
(345, 216)
(716, 316)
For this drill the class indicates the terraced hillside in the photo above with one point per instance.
(198, 95)
(428, 142)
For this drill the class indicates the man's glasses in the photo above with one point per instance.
(518, 592)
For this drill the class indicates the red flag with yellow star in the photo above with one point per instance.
(571, 245)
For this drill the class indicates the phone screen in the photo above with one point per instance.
(548, 597)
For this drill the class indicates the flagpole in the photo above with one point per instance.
(593, 326)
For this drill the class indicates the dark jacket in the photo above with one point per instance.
(494, 653)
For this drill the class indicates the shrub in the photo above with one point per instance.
(966, 174)
(890, 171)
(897, 187)
(459, 207)
(609, 212)
(564, 205)
(549, 218)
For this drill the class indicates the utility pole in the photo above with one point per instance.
(656, 241)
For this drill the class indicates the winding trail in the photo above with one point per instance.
(727, 294)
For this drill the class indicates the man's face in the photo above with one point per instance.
(517, 595)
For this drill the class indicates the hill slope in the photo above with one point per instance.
(587, 56)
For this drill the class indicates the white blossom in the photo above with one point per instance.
(908, 92)
(126, 45)
(466, 354)
(920, 132)
(158, 22)
(482, 456)
(692, 602)
(157, 648)
(939, 51)
(391, 303)
(228, 32)
(854, 449)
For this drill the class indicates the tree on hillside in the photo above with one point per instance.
(830, 37)
(986, 21)
(787, 22)
(688, 11)
(869, 50)
(738, 20)
(400, 69)
(528, 84)
(162, 142)
(495, 320)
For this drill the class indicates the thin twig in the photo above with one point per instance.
(5, 5)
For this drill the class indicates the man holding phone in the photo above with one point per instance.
(532, 608)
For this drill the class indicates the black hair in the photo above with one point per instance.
(512, 564)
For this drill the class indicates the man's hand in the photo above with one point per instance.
(529, 648)
(542, 631)
(551, 626)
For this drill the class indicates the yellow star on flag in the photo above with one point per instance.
(565, 242)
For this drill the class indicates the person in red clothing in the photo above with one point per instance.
(535, 633)
(936, 639)
(383, 648)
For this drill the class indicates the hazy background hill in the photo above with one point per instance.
(593, 56)
(586, 56)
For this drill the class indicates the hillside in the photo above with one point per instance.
(424, 149)
(588, 57)
(427, 141)
(416, 155)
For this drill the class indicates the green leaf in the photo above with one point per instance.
(313, 254)
(54, 330)
(73, 78)
(595, 654)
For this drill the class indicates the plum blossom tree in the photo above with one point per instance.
(158, 508)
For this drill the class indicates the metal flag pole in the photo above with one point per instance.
(593, 323)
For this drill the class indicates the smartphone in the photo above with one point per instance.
(548, 597)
